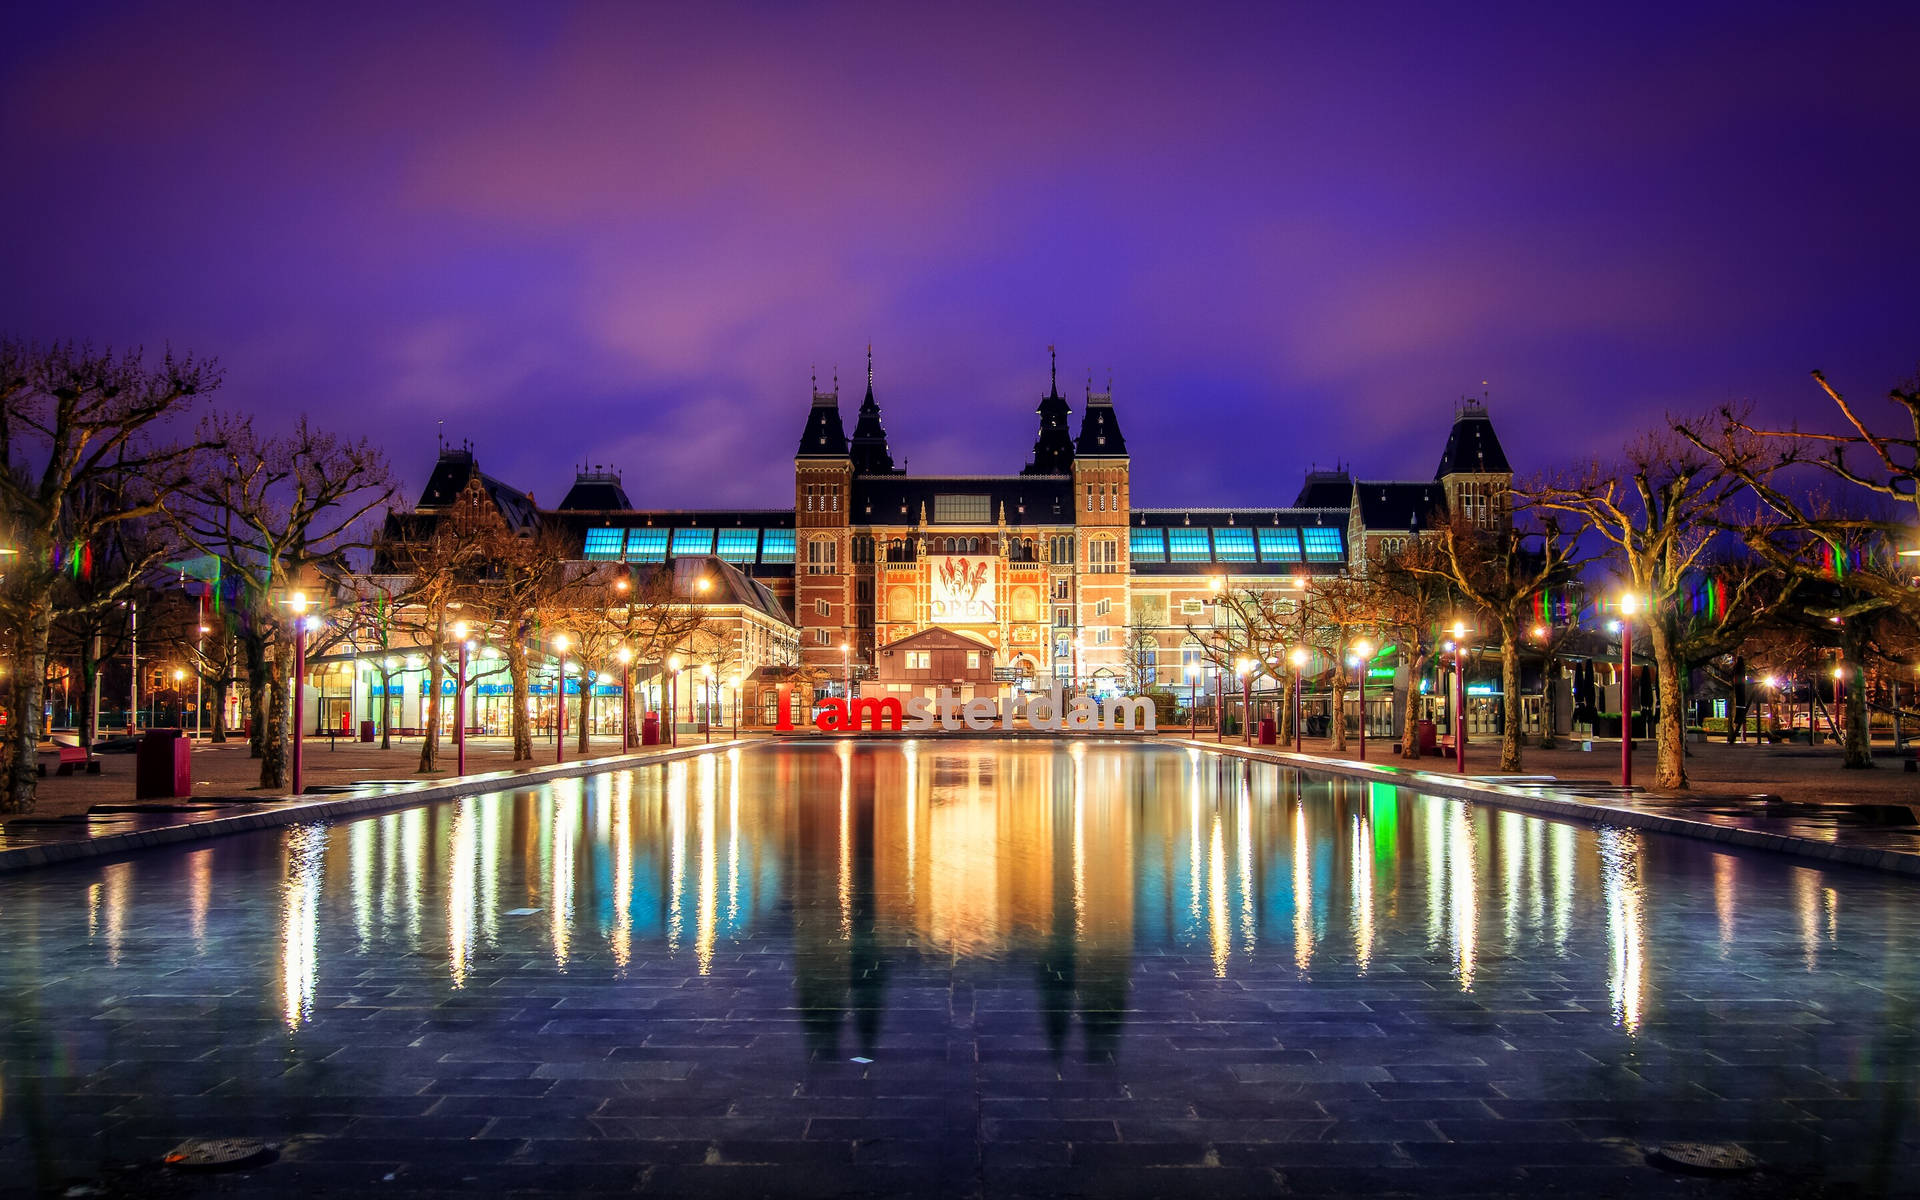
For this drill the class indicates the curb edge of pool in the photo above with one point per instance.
(335, 806)
(1592, 813)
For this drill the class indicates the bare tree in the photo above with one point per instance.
(77, 458)
(1340, 610)
(518, 576)
(1656, 509)
(1412, 589)
(275, 511)
(1501, 569)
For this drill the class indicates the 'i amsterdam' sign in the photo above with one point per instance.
(944, 713)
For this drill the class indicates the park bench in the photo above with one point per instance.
(65, 759)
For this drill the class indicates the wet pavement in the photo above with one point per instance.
(959, 969)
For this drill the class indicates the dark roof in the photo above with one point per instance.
(869, 447)
(451, 474)
(595, 491)
(1053, 448)
(824, 436)
(1325, 489)
(1100, 429)
(1388, 504)
(1022, 499)
(1471, 445)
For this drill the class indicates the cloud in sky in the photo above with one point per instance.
(627, 233)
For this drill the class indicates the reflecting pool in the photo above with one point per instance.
(962, 968)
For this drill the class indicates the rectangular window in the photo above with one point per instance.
(776, 546)
(962, 510)
(1100, 636)
(1233, 544)
(1063, 548)
(1103, 556)
(1063, 618)
(1188, 543)
(1192, 608)
(1063, 589)
(692, 542)
(919, 660)
(822, 637)
(738, 545)
(646, 545)
(973, 660)
(1280, 545)
(823, 557)
(1102, 607)
(823, 608)
(1323, 544)
(1148, 545)
(605, 543)
(1089, 497)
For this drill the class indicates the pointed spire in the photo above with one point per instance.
(869, 447)
(1053, 448)
(869, 370)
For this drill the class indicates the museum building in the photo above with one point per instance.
(1053, 569)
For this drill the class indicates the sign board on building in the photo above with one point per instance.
(963, 589)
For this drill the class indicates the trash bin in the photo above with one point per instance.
(163, 766)
(650, 729)
(1429, 739)
(1269, 732)
(366, 731)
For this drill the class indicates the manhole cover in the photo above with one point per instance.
(215, 1154)
(1706, 1158)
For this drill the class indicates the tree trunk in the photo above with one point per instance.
(1670, 764)
(1509, 697)
(220, 689)
(386, 708)
(1549, 704)
(436, 675)
(29, 692)
(1340, 698)
(522, 724)
(1856, 746)
(586, 706)
(271, 718)
(1410, 718)
(89, 684)
(259, 680)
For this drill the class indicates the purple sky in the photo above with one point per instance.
(623, 233)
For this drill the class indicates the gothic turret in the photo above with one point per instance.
(870, 453)
(1099, 428)
(824, 436)
(1053, 449)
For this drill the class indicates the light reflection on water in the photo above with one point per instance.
(971, 851)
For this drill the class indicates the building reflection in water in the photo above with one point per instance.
(1075, 867)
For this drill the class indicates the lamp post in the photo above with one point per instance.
(1299, 660)
(1460, 697)
(1629, 604)
(737, 683)
(199, 681)
(459, 699)
(1193, 700)
(673, 700)
(1246, 701)
(560, 701)
(1839, 707)
(298, 602)
(846, 667)
(706, 699)
(626, 697)
(179, 678)
(1363, 655)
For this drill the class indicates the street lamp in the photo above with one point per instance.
(1299, 660)
(625, 656)
(1460, 697)
(1839, 708)
(1245, 666)
(1629, 605)
(1193, 700)
(1362, 656)
(560, 701)
(846, 665)
(737, 683)
(459, 699)
(301, 624)
(673, 700)
(706, 700)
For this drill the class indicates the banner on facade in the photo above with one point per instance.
(963, 589)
